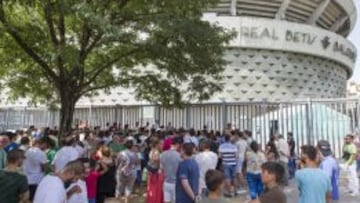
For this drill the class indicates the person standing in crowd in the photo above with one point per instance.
(3, 142)
(66, 154)
(241, 145)
(313, 183)
(49, 148)
(34, 166)
(95, 171)
(254, 159)
(271, 176)
(13, 185)
(24, 143)
(206, 160)
(81, 195)
(271, 151)
(349, 157)
(228, 153)
(12, 144)
(187, 177)
(51, 188)
(248, 136)
(116, 145)
(214, 180)
(155, 176)
(284, 154)
(169, 162)
(292, 159)
(126, 171)
(330, 166)
(106, 182)
(357, 144)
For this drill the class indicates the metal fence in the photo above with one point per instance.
(309, 120)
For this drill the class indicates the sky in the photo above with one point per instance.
(354, 37)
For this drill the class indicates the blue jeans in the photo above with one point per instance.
(255, 185)
(230, 172)
(92, 200)
(292, 167)
(138, 180)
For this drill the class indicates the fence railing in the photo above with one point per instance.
(308, 120)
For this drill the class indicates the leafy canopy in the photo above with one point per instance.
(55, 50)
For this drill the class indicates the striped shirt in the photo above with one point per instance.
(228, 153)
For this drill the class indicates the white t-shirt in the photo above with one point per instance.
(283, 146)
(242, 146)
(64, 156)
(206, 160)
(35, 157)
(81, 150)
(51, 189)
(78, 197)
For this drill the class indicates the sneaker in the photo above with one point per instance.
(354, 194)
(241, 192)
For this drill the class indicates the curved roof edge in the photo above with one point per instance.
(350, 8)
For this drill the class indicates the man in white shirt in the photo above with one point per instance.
(206, 160)
(66, 154)
(34, 165)
(241, 145)
(51, 188)
(284, 154)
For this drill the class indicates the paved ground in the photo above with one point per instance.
(292, 194)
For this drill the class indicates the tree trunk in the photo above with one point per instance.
(68, 101)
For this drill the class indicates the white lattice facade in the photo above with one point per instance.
(255, 75)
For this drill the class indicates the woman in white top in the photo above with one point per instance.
(254, 159)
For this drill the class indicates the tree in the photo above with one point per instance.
(56, 51)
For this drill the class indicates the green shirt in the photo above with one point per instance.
(351, 149)
(50, 155)
(115, 147)
(12, 184)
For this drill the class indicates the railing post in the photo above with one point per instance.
(309, 122)
(187, 116)
(224, 115)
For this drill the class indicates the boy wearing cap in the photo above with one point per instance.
(330, 166)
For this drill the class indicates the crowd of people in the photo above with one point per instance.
(168, 165)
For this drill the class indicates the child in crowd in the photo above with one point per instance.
(138, 167)
(214, 180)
(271, 176)
(92, 177)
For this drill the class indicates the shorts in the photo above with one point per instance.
(230, 172)
(125, 184)
(169, 192)
(239, 166)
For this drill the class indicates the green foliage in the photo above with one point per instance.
(56, 50)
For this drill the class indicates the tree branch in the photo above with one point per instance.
(61, 25)
(50, 23)
(50, 74)
(93, 89)
(96, 72)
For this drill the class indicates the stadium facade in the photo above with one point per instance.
(286, 49)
